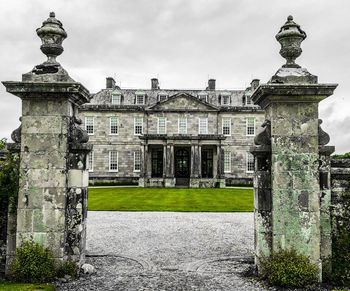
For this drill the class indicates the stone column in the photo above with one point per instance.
(143, 170)
(290, 100)
(52, 198)
(169, 180)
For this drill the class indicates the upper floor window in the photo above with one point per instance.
(138, 125)
(116, 98)
(250, 126)
(113, 125)
(250, 163)
(203, 125)
(137, 161)
(225, 99)
(203, 97)
(227, 161)
(161, 125)
(162, 97)
(113, 161)
(89, 125)
(140, 98)
(182, 125)
(248, 100)
(226, 126)
(90, 161)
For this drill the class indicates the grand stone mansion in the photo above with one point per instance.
(167, 137)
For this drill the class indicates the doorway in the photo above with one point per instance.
(182, 166)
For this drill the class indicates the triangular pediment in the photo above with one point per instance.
(181, 102)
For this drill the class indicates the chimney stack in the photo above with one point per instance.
(211, 84)
(154, 84)
(254, 84)
(110, 83)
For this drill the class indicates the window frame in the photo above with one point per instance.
(90, 166)
(138, 95)
(250, 159)
(199, 125)
(116, 95)
(110, 160)
(140, 118)
(93, 125)
(227, 158)
(178, 125)
(158, 124)
(110, 125)
(249, 126)
(140, 157)
(223, 96)
(229, 125)
(162, 95)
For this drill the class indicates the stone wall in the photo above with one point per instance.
(340, 215)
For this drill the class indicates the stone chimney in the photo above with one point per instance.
(254, 84)
(211, 84)
(154, 84)
(110, 83)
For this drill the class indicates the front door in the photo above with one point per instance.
(182, 166)
(207, 163)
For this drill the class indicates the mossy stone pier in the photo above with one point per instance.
(289, 151)
(53, 183)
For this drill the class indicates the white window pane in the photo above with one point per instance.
(116, 99)
(140, 99)
(113, 161)
(138, 124)
(161, 125)
(203, 126)
(250, 125)
(90, 162)
(137, 161)
(227, 162)
(226, 126)
(89, 125)
(182, 125)
(250, 163)
(113, 125)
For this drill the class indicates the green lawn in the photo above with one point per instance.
(171, 199)
(7, 286)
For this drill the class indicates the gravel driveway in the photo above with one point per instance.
(168, 251)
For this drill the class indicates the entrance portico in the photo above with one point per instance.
(182, 160)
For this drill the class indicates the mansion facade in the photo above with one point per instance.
(166, 138)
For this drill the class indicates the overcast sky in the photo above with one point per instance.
(182, 42)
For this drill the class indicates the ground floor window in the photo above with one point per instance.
(227, 162)
(250, 163)
(113, 161)
(157, 163)
(90, 161)
(207, 163)
(137, 161)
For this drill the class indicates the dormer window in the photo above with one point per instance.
(203, 97)
(248, 100)
(225, 99)
(140, 98)
(162, 97)
(116, 98)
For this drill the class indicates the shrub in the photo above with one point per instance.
(67, 268)
(33, 263)
(289, 269)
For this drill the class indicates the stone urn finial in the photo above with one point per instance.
(52, 35)
(290, 37)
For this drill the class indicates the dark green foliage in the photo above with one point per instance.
(8, 179)
(113, 183)
(67, 268)
(289, 269)
(342, 156)
(33, 263)
(341, 241)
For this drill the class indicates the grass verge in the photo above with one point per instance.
(9, 286)
(171, 199)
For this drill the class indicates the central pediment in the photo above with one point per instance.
(182, 102)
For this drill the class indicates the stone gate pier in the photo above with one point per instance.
(292, 177)
(52, 198)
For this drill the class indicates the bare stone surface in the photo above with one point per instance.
(168, 251)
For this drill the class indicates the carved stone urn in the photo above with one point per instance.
(52, 35)
(290, 37)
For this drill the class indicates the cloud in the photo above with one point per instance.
(182, 42)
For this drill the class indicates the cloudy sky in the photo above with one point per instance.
(182, 42)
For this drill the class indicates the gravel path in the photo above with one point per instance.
(168, 251)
